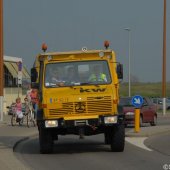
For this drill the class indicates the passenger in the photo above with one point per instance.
(71, 76)
(97, 76)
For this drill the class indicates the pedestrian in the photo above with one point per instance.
(34, 101)
(27, 105)
(28, 95)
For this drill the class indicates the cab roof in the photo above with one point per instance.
(75, 52)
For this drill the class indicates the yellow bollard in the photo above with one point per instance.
(137, 120)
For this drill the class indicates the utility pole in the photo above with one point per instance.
(129, 51)
(1, 61)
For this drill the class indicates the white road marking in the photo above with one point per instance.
(138, 141)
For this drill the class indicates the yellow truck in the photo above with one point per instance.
(78, 94)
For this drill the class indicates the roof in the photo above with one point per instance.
(11, 65)
(76, 52)
(12, 59)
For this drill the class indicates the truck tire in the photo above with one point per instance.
(107, 135)
(118, 138)
(107, 138)
(45, 141)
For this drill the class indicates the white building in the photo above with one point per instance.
(13, 89)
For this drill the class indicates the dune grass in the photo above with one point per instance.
(144, 89)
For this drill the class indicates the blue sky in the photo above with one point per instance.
(72, 24)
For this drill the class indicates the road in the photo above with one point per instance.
(91, 153)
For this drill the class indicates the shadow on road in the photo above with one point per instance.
(64, 146)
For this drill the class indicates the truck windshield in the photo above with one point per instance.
(77, 73)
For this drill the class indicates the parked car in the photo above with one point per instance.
(159, 103)
(147, 111)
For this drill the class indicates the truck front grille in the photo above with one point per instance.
(93, 105)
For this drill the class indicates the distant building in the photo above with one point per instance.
(11, 71)
(11, 87)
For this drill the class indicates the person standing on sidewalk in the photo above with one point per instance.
(28, 95)
(34, 100)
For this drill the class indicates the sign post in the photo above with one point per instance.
(19, 75)
(137, 101)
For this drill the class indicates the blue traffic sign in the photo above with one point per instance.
(137, 101)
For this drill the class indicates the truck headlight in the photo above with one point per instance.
(51, 123)
(110, 119)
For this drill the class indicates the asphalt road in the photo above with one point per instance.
(160, 144)
(91, 153)
(71, 153)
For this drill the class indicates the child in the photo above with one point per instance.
(18, 109)
(27, 106)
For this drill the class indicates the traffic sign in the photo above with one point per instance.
(19, 66)
(137, 101)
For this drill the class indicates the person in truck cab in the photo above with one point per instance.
(71, 76)
(53, 77)
(97, 76)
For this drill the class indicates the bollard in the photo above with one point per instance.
(137, 120)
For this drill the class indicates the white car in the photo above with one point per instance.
(159, 103)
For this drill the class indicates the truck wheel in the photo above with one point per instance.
(107, 135)
(107, 138)
(45, 141)
(118, 139)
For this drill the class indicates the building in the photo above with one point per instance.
(13, 89)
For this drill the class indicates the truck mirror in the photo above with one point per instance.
(34, 75)
(120, 71)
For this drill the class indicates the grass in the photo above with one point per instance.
(160, 111)
(144, 89)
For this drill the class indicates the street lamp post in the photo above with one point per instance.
(164, 61)
(1, 61)
(129, 33)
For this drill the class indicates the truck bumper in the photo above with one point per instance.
(105, 120)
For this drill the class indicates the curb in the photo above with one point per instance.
(19, 141)
(22, 140)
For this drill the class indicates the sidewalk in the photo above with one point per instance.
(9, 138)
(148, 130)
(9, 135)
